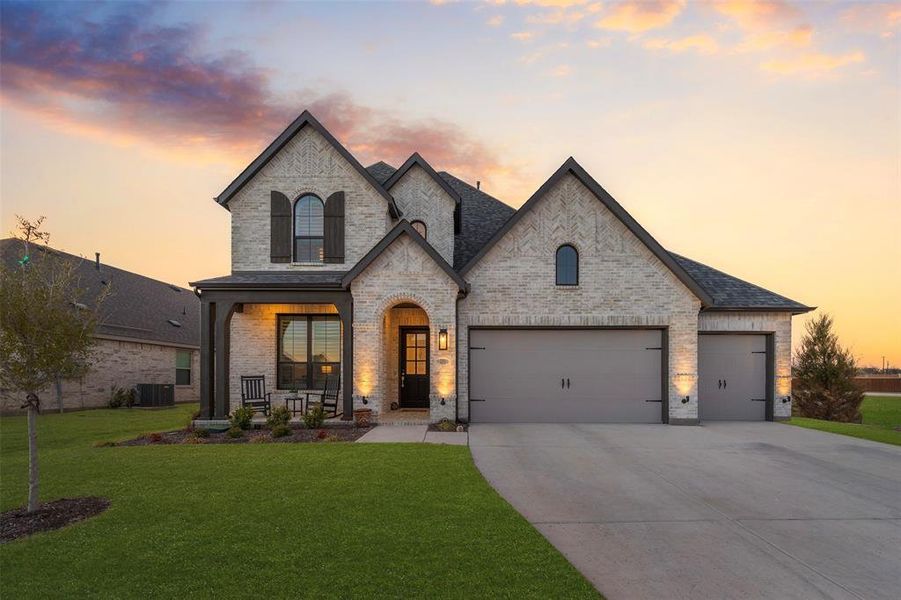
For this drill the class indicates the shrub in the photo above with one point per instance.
(201, 432)
(235, 432)
(280, 415)
(825, 372)
(331, 438)
(446, 425)
(154, 438)
(242, 418)
(314, 418)
(122, 397)
(258, 439)
(195, 440)
(321, 434)
(281, 431)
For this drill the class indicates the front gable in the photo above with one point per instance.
(572, 208)
(308, 161)
(423, 196)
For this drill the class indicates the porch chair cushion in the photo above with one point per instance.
(254, 394)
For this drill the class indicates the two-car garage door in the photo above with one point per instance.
(566, 375)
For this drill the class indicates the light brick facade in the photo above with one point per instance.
(115, 364)
(420, 198)
(621, 284)
(307, 164)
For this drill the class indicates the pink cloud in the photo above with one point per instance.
(637, 16)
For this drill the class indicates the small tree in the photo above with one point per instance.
(825, 371)
(45, 329)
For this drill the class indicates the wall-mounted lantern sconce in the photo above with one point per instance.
(686, 399)
(442, 402)
(442, 339)
(365, 400)
(786, 400)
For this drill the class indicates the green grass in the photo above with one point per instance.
(319, 520)
(881, 421)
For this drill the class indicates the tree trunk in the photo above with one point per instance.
(33, 477)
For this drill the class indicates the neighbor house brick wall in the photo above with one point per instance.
(420, 198)
(621, 284)
(307, 164)
(254, 346)
(777, 323)
(404, 272)
(115, 364)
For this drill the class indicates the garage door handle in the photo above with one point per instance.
(724, 384)
(567, 383)
(719, 384)
(758, 399)
(562, 384)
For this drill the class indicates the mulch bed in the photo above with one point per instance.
(298, 435)
(437, 427)
(49, 516)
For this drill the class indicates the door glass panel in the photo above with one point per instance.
(411, 339)
(411, 353)
(420, 339)
(420, 354)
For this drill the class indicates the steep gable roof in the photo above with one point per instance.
(732, 293)
(416, 160)
(381, 171)
(403, 227)
(137, 307)
(481, 216)
(574, 168)
(305, 119)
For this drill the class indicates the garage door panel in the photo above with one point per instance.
(565, 375)
(732, 377)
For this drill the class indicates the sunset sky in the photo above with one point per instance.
(760, 138)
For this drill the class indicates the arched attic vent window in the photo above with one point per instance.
(567, 265)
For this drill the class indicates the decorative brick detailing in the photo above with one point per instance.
(621, 284)
(115, 364)
(780, 325)
(307, 164)
(420, 198)
(403, 273)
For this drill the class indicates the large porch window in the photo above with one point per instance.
(309, 351)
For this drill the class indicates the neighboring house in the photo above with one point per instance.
(414, 290)
(149, 333)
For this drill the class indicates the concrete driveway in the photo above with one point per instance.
(727, 510)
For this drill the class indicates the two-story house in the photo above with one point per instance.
(414, 291)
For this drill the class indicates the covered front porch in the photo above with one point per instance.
(298, 340)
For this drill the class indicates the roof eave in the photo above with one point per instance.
(795, 310)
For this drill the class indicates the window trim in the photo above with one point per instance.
(425, 228)
(557, 265)
(309, 362)
(295, 237)
(190, 368)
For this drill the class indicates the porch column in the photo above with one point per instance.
(346, 312)
(207, 319)
(224, 312)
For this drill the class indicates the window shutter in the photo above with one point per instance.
(333, 229)
(280, 228)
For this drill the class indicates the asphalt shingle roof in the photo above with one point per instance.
(274, 279)
(733, 293)
(483, 215)
(137, 307)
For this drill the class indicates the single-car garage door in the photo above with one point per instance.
(565, 375)
(732, 377)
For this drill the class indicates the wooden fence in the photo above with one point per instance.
(886, 385)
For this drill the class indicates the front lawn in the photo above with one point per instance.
(323, 520)
(881, 421)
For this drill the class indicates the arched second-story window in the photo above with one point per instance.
(420, 228)
(308, 226)
(567, 265)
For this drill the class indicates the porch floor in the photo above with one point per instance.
(405, 416)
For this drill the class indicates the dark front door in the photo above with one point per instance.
(414, 367)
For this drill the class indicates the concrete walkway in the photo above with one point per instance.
(727, 510)
(413, 433)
